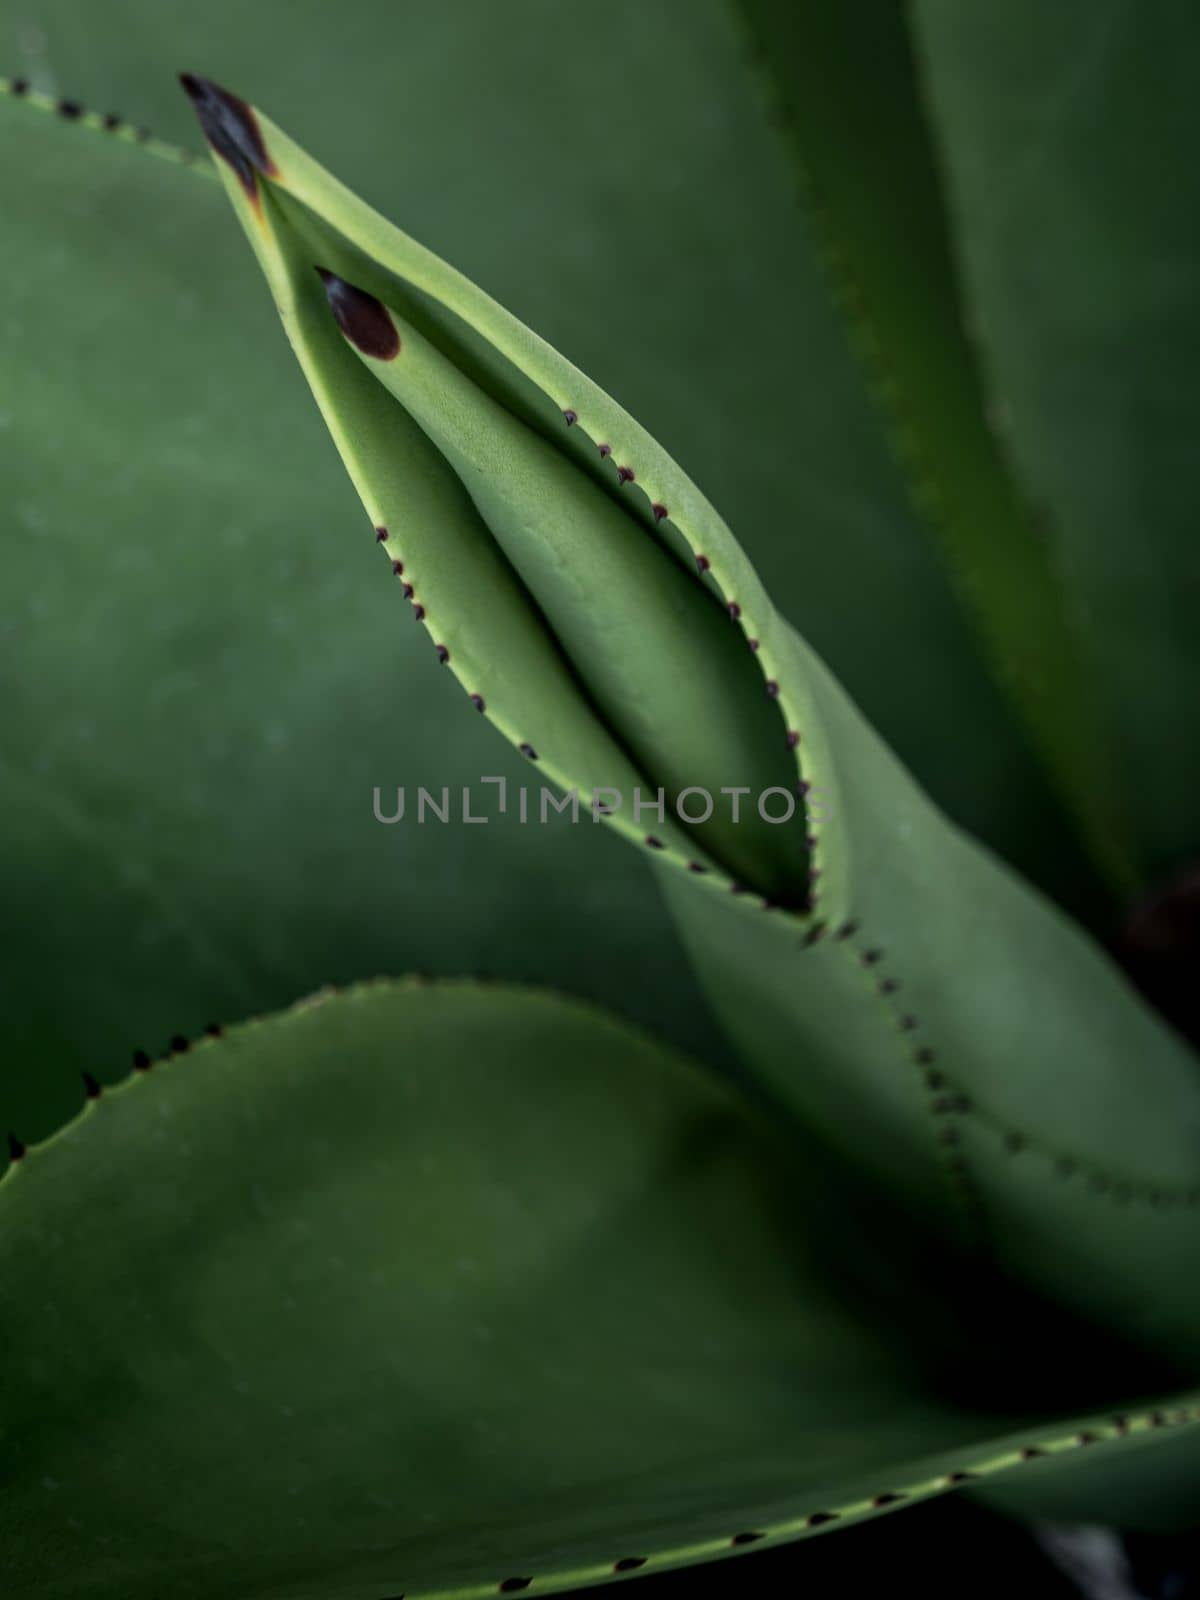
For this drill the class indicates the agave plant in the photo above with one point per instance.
(433, 1287)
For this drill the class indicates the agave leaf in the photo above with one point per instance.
(959, 1038)
(439, 1290)
(564, 566)
(510, 665)
(843, 85)
(1066, 134)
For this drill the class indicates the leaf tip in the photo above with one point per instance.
(231, 128)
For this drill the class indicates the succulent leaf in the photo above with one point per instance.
(570, 573)
(927, 1013)
(437, 1289)
(844, 88)
(1066, 134)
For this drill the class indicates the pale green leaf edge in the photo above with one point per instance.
(108, 124)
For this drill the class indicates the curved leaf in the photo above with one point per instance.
(1066, 134)
(439, 1290)
(930, 1016)
(843, 85)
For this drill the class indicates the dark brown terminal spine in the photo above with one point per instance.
(231, 127)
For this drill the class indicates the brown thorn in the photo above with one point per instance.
(231, 128)
(365, 321)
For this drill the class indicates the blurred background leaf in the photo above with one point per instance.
(842, 85)
(1068, 135)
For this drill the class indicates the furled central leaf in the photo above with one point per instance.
(922, 1010)
(590, 643)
